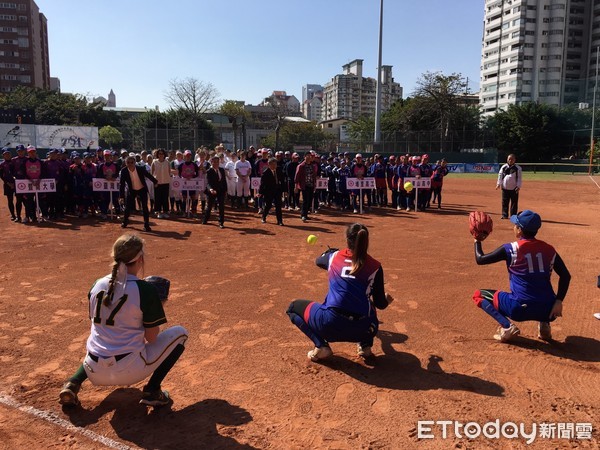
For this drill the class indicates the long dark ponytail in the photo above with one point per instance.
(357, 238)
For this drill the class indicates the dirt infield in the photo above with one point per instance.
(244, 380)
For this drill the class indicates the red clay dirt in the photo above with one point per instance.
(244, 380)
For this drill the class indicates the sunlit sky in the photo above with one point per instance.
(249, 48)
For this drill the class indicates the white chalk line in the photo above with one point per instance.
(54, 419)
(592, 178)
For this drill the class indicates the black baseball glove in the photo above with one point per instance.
(161, 285)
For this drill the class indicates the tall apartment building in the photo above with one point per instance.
(312, 109)
(538, 51)
(23, 46)
(350, 95)
(309, 91)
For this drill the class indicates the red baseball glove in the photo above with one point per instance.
(480, 225)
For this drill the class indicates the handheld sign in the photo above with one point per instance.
(360, 184)
(418, 183)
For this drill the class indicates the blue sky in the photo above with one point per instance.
(249, 48)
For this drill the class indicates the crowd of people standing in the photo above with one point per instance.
(291, 183)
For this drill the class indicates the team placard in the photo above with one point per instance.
(360, 183)
(30, 187)
(104, 185)
(419, 183)
(322, 183)
(255, 183)
(192, 184)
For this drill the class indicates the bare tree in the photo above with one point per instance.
(192, 96)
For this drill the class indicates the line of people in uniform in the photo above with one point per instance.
(74, 172)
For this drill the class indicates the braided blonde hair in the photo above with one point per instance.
(124, 250)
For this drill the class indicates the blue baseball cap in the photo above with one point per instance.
(527, 220)
(20, 147)
(5, 150)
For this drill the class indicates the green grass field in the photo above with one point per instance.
(531, 176)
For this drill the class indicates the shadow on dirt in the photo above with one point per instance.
(403, 371)
(194, 426)
(575, 348)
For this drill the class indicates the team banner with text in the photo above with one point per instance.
(193, 184)
(31, 187)
(103, 185)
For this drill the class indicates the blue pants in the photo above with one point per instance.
(518, 310)
(323, 325)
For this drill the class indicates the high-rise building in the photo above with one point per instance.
(309, 91)
(350, 95)
(23, 46)
(538, 51)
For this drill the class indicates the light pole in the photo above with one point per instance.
(156, 127)
(377, 137)
(593, 114)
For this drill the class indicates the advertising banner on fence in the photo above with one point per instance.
(482, 168)
(456, 168)
(72, 138)
(13, 135)
(48, 136)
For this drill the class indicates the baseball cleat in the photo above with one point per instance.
(506, 334)
(155, 398)
(68, 395)
(544, 331)
(317, 353)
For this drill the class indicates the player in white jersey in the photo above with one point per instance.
(231, 177)
(125, 344)
(243, 168)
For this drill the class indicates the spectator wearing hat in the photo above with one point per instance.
(188, 170)
(425, 171)
(342, 174)
(259, 167)
(108, 170)
(293, 198)
(392, 182)
(243, 170)
(8, 181)
(305, 181)
(90, 170)
(358, 170)
(413, 171)
(330, 172)
(176, 199)
(379, 172)
(33, 172)
(437, 181)
(133, 176)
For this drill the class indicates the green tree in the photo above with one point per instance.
(236, 114)
(529, 130)
(361, 131)
(294, 133)
(109, 136)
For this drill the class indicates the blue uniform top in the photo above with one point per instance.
(530, 263)
(353, 293)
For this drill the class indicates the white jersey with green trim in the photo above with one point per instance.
(117, 328)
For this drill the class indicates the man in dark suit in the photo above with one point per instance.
(216, 188)
(134, 177)
(271, 189)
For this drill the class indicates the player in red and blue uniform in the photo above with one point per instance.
(379, 172)
(437, 181)
(426, 171)
(530, 263)
(188, 170)
(108, 170)
(33, 172)
(356, 289)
